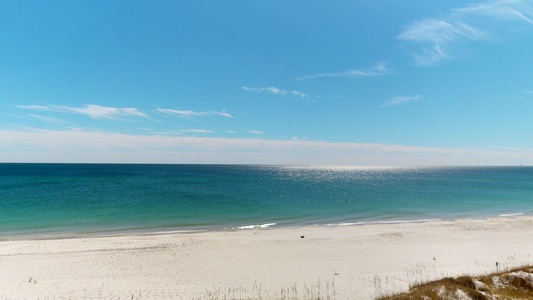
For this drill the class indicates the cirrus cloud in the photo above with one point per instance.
(189, 113)
(398, 100)
(274, 91)
(438, 39)
(378, 70)
(91, 110)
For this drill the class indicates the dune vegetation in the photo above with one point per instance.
(510, 284)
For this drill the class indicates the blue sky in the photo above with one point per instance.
(381, 83)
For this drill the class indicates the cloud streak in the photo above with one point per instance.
(91, 110)
(399, 100)
(190, 114)
(196, 131)
(46, 119)
(517, 10)
(105, 112)
(274, 91)
(378, 70)
(438, 39)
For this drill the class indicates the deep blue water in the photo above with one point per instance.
(84, 198)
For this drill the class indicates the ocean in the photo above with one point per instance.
(78, 199)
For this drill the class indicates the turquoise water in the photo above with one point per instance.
(91, 198)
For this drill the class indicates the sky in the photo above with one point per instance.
(358, 83)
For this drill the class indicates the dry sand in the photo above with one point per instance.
(352, 262)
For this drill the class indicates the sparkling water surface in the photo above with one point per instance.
(98, 198)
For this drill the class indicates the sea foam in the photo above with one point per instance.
(267, 225)
(511, 215)
(384, 222)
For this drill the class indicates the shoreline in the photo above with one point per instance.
(360, 262)
(156, 230)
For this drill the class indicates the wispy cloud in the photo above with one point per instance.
(257, 132)
(519, 10)
(195, 131)
(90, 110)
(104, 112)
(47, 119)
(274, 91)
(377, 70)
(181, 132)
(35, 107)
(398, 100)
(438, 39)
(221, 113)
(190, 113)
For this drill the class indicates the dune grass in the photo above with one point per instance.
(515, 284)
(320, 290)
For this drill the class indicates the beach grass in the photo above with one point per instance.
(320, 290)
(516, 283)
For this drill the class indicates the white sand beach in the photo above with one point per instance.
(351, 262)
